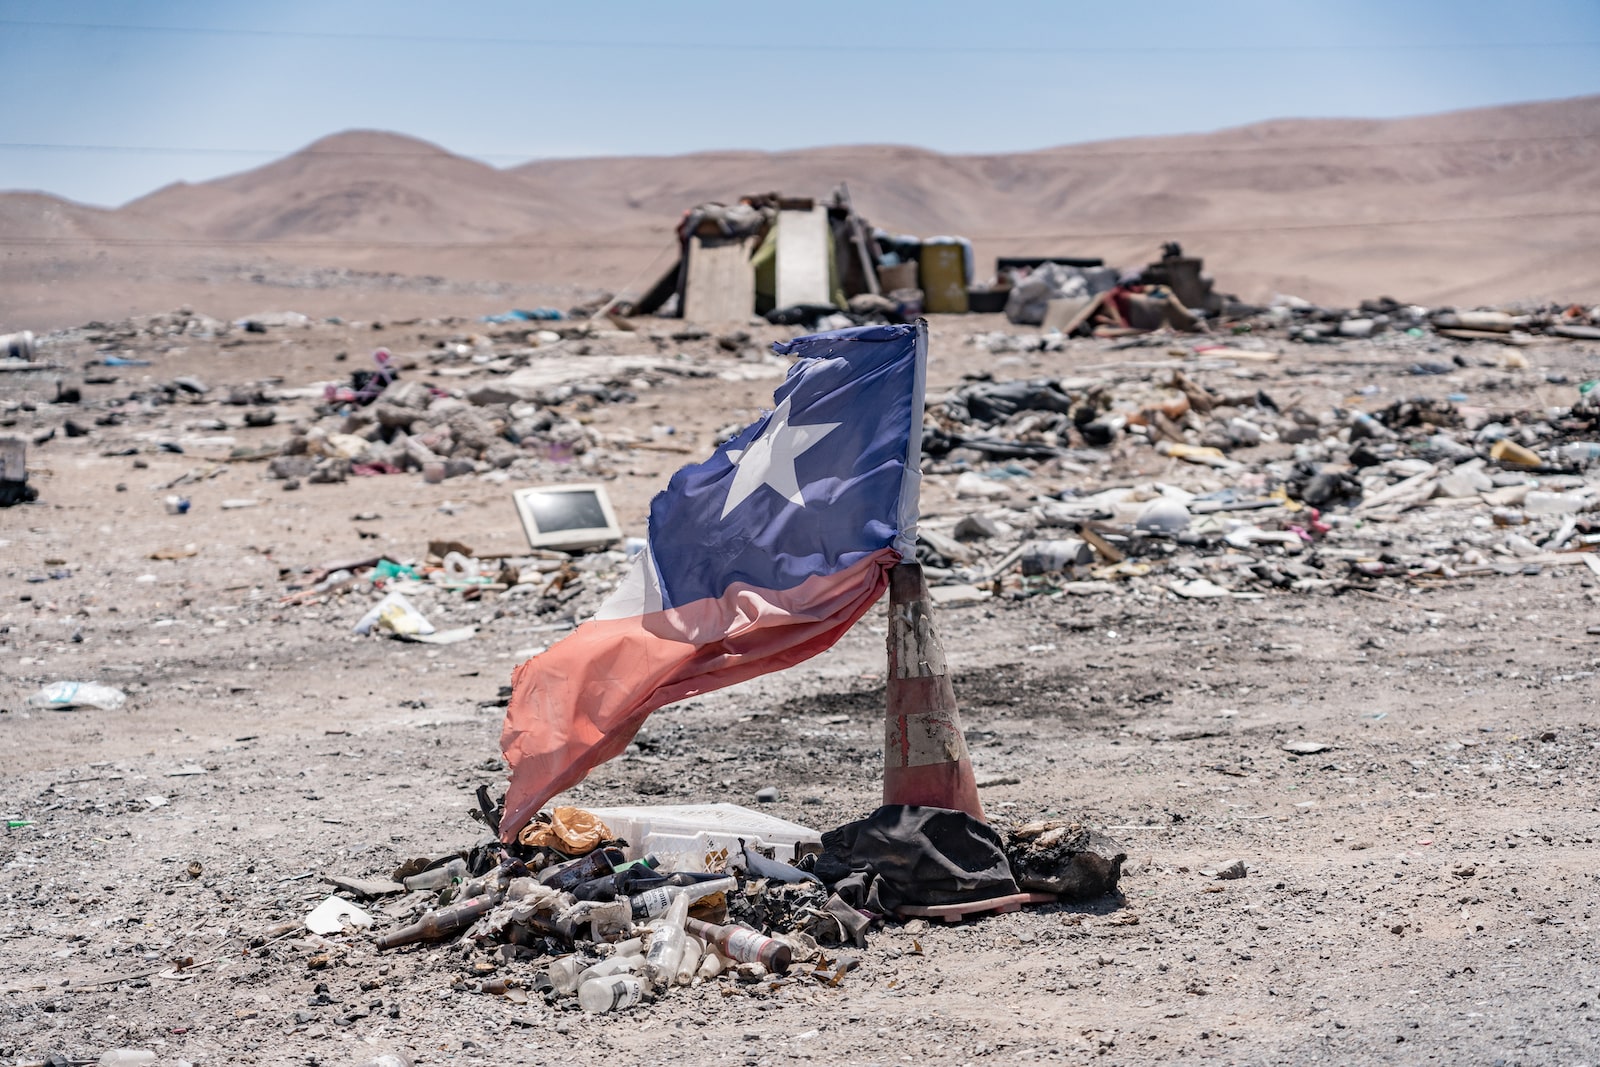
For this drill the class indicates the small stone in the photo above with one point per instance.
(1304, 748)
(769, 795)
(1236, 869)
(976, 527)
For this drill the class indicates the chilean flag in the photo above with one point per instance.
(757, 559)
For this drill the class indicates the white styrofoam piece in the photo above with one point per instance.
(334, 914)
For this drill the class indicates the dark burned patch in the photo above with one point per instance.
(1021, 689)
(856, 703)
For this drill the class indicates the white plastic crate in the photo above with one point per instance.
(702, 837)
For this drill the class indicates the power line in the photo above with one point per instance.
(897, 47)
(1081, 151)
(533, 243)
(199, 150)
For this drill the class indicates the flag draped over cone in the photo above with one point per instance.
(924, 753)
(758, 558)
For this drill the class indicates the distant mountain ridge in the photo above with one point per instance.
(1286, 203)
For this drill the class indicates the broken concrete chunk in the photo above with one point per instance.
(976, 527)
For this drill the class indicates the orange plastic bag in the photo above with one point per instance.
(571, 830)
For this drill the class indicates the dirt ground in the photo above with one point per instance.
(1422, 891)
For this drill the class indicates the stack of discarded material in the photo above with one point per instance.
(1081, 296)
(563, 911)
(1077, 296)
(795, 260)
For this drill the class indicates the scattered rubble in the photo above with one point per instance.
(1270, 494)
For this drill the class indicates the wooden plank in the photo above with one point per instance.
(860, 241)
(803, 258)
(658, 293)
(721, 286)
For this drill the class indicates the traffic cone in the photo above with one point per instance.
(924, 754)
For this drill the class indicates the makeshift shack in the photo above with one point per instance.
(768, 254)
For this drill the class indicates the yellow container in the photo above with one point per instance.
(1505, 451)
(943, 270)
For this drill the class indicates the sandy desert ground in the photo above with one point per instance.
(1421, 891)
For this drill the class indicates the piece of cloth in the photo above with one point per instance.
(907, 854)
(757, 559)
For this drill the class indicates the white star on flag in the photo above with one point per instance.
(770, 459)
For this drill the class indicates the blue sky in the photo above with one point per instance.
(106, 100)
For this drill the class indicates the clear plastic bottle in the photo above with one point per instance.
(667, 939)
(612, 993)
(127, 1057)
(1580, 453)
(689, 962)
(608, 967)
(655, 902)
(565, 974)
(713, 964)
(438, 877)
(633, 946)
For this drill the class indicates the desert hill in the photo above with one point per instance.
(1489, 204)
(356, 186)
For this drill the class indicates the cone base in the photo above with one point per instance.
(934, 785)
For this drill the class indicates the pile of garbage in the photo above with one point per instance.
(563, 911)
(1256, 495)
(499, 403)
(1307, 323)
(1172, 294)
(1084, 296)
(404, 597)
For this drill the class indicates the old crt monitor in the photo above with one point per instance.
(567, 517)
